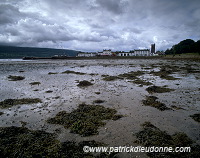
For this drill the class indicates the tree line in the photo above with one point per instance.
(185, 46)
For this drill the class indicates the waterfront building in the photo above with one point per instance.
(105, 53)
(125, 54)
(142, 52)
(87, 54)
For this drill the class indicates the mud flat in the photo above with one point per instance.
(115, 96)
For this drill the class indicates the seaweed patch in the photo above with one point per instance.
(142, 82)
(73, 72)
(164, 73)
(110, 78)
(151, 101)
(7, 103)
(150, 136)
(177, 107)
(15, 78)
(157, 89)
(84, 83)
(52, 73)
(86, 119)
(196, 117)
(49, 91)
(98, 101)
(35, 83)
(189, 69)
(22, 142)
(132, 75)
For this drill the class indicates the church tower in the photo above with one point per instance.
(153, 48)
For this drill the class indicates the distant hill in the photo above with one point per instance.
(12, 52)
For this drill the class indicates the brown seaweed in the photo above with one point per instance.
(15, 78)
(22, 142)
(86, 119)
(84, 83)
(151, 101)
(7, 103)
(157, 89)
(196, 117)
(35, 83)
(151, 136)
(73, 72)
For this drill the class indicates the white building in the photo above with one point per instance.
(138, 52)
(142, 52)
(125, 54)
(105, 53)
(91, 54)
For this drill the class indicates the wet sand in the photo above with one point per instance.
(120, 94)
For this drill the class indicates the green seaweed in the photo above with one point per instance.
(163, 75)
(49, 91)
(35, 83)
(196, 117)
(52, 73)
(110, 78)
(22, 142)
(104, 75)
(157, 89)
(151, 136)
(151, 101)
(15, 78)
(176, 107)
(132, 75)
(57, 97)
(93, 74)
(98, 101)
(141, 82)
(86, 119)
(84, 83)
(7, 103)
(73, 72)
(165, 72)
(189, 69)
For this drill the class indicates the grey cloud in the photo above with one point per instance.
(133, 30)
(9, 14)
(115, 6)
(96, 24)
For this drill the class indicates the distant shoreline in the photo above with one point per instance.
(165, 57)
(90, 58)
(173, 57)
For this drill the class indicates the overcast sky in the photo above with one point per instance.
(93, 25)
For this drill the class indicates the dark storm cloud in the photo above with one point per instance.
(115, 6)
(9, 14)
(93, 25)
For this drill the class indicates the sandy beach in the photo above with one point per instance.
(55, 83)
